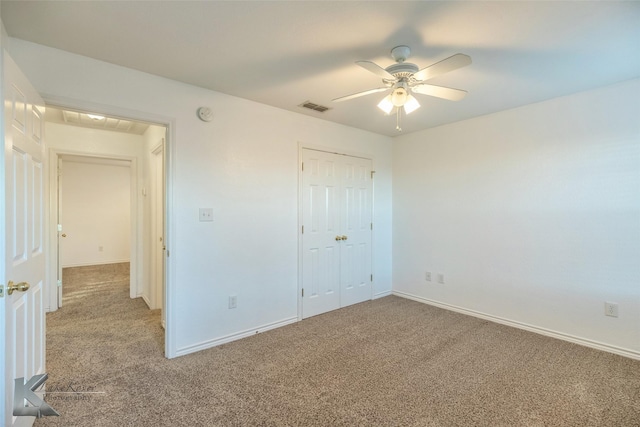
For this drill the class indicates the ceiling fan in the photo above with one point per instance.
(404, 77)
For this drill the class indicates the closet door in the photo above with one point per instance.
(356, 228)
(336, 234)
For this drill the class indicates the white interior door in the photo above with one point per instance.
(60, 234)
(321, 232)
(356, 220)
(336, 234)
(157, 224)
(24, 227)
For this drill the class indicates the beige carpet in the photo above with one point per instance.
(389, 362)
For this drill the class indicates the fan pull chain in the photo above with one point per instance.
(398, 128)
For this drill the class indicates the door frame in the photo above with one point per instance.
(55, 155)
(341, 152)
(169, 173)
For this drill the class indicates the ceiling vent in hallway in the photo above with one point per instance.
(315, 107)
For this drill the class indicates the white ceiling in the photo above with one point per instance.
(285, 53)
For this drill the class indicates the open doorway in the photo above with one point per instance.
(108, 203)
(94, 209)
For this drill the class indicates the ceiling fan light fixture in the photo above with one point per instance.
(411, 105)
(404, 78)
(386, 104)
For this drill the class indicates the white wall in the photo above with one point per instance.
(95, 211)
(531, 214)
(244, 165)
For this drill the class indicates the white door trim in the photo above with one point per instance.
(170, 350)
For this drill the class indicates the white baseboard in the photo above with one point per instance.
(531, 328)
(144, 298)
(87, 264)
(233, 337)
(382, 294)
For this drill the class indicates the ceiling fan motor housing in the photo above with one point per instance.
(402, 69)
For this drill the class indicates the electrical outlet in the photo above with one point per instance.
(233, 301)
(441, 278)
(611, 309)
(206, 214)
(427, 276)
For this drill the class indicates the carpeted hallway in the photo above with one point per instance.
(388, 362)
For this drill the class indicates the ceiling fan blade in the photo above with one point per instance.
(454, 62)
(376, 69)
(440, 92)
(359, 94)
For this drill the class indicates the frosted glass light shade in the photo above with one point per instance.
(411, 105)
(399, 97)
(386, 105)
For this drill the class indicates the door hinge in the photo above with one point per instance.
(59, 283)
(372, 226)
(1, 291)
(372, 172)
(303, 229)
(303, 292)
(302, 166)
(372, 277)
